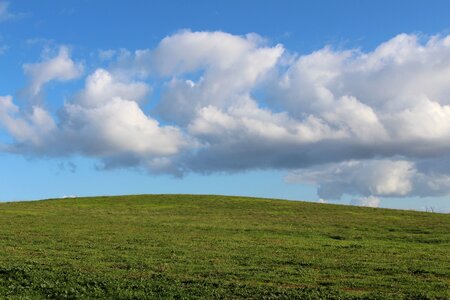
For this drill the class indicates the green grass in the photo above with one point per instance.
(185, 246)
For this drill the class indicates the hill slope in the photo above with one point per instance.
(184, 246)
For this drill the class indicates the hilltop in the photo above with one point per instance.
(188, 246)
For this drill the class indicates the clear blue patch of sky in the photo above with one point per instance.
(301, 25)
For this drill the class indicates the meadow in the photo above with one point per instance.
(217, 247)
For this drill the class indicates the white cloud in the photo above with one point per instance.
(103, 120)
(399, 84)
(368, 201)
(221, 68)
(30, 128)
(377, 177)
(101, 87)
(119, 126)
(370, 177)
(357, 123)
(60, 68)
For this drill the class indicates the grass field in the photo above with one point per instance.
(185, 246)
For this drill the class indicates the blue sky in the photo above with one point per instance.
(265, 138)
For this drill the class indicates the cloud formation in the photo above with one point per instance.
(367, 177)
(103, 120)
(367, 124)
(60, 68)
(378, 177)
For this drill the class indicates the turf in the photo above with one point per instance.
(187, 246)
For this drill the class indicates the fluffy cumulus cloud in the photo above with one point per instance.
(60, 68)
(104, 120)
(228, 67)
(365, 124)
(369, 177)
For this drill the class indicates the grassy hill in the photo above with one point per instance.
(185, 246)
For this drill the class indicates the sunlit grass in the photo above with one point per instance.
(186, 246)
